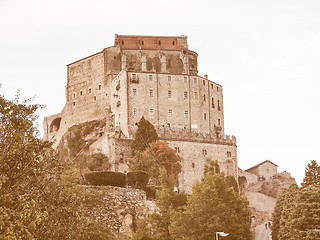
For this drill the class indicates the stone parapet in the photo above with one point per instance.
(167, 133)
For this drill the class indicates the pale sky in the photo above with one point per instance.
(266, 55)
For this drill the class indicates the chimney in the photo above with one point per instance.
(206, 76)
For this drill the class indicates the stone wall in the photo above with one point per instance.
(123, 207)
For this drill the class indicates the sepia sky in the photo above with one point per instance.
(266, 54)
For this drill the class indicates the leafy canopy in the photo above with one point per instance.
(34, 202)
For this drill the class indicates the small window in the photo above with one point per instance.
(185, 114)
(151, 111)
(211, 85)
(150, 92)
(173, 43)
(170, 113)
(204, 152)
(80, 93)
(142, 42)
(99, 87)
(193, 165)
(217, 89)
(89, 90)
(219, 105)
(205, 116)
(74, 95)
(122, 42)
(219, 122)
(195, 95)
(150, 77)
(212, 102)
(228, 154)
(195, 80)
(204, 97)
(134, 77)
(203, 82)
(169, 94)
(95, 98)
(74, 103)
(177, 149)
(169, 78)
(134, 111)
(185, 79)
(159, 43)
(185, 95)
(134, 92)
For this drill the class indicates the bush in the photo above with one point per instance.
(105, 178)
(137, 179)
(151, 191)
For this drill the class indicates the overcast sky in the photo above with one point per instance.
(266, 54)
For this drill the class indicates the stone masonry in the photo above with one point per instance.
(155, 77)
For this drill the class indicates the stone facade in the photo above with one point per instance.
(155, 77)
(266, 169)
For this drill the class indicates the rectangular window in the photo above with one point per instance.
(185, 114)
(205, 116)
(219, 122)
(185, 79)
(170, 113)
(211, 85)
(204, 97)
(134, 111)
(217, 89)
(195, 80)
(212, 102)
(74, 103)
(228, 154)
(150, 92)
(89, 90)
(203, 82)
(134, 77)
(99, 87)
(80, 93)
(95, 98)
(195, 95)
(169, 78)
(134, 92)
(151, 111)
(185, 95)
(169, 94)
(177, 149)
(74, 95)
(150, 77)
(219, 105)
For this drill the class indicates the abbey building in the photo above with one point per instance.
(155, 77)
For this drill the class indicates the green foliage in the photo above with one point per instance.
(312, 174)
(137, 179)
(34, 202)
(144, 135)
(105, 178)
(212, 168)
(297, 211)
(98, 162)
(143, 161)
(213, 206)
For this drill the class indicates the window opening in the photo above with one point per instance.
(204, 97)
(169, 112)
(150, 92)
(89, 90)
(205, 116)
(134, 111)
(150, 77)
(185, 114)
(195, 95)
(185, 95)
(151, 111)
(169, 94)
(193, 165)
(212, 102)
(169, 78)
(185, 79)
(195, 80)
(99, 87)
(134, 92)
(203, 82)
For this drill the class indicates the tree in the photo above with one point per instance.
(306, 214)
(166, 157)
(213, 206)
(312, 174)
(144, 135)
(276, 215)
(34, 202)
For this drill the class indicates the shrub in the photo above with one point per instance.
(151, 191)
(137, 179)
(105, 178)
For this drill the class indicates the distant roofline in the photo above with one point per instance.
(149, 36)
(255, 166)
